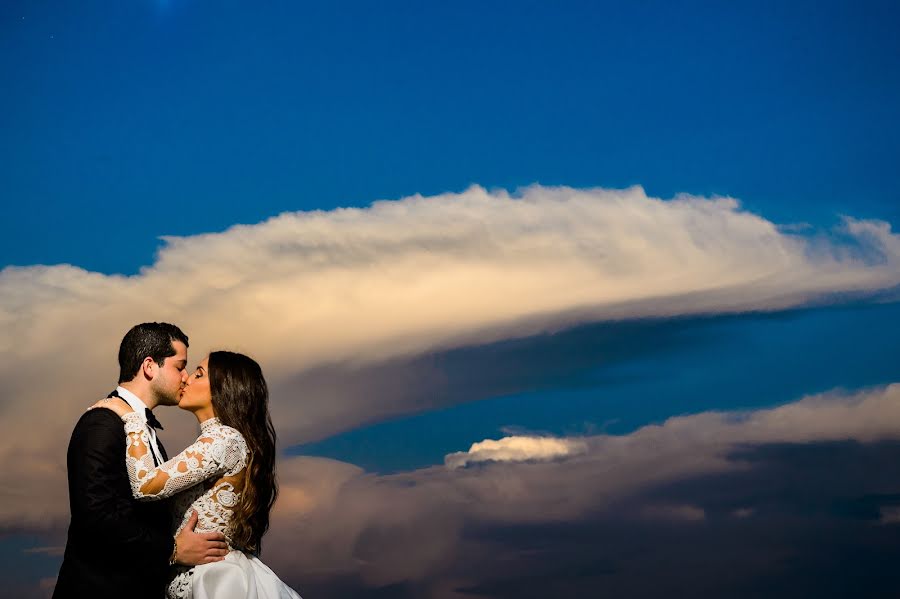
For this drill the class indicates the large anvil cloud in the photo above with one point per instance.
(354, 287)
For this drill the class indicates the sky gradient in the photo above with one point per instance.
(211, 115)
(552, 301)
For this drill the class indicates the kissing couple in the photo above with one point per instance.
(146, 527)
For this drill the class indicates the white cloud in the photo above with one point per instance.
(410, 525)
(516, 449)
(359, 286)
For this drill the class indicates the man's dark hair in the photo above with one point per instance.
(150, 339)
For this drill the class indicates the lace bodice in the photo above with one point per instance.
(207, 476)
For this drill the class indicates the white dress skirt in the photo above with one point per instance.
(239, 576)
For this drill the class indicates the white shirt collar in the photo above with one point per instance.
(140, 407)
(133, 400)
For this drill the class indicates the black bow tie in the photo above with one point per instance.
(151, 419)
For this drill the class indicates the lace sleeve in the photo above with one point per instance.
(203, 459)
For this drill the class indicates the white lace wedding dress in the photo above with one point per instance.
(207, 477)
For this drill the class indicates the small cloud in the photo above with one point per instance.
(516, 449)
(890, 514)
(521, 431)
(743, 512)
(673, 513)
(794, 227)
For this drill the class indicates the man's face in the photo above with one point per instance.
(170, 376)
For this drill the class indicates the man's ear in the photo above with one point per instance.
(149, 368)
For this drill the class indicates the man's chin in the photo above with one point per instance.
(170, 401)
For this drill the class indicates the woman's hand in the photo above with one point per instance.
(119, 406)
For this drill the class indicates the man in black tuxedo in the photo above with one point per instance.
(118, 547)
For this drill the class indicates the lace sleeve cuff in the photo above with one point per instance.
(133, 423)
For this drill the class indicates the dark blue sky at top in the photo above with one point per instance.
(124, 121)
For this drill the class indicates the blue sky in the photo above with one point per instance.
(215, 114)
(412, 329)
(672, 368)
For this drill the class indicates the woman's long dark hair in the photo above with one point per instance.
(240, 399)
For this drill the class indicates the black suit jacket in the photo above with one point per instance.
(117, 547)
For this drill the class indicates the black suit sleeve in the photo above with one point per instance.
(100, 493)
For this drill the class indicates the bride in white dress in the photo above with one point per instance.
(227, 476)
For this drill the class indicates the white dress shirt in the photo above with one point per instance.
(140, 407)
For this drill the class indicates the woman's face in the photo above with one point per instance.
(196, 394)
